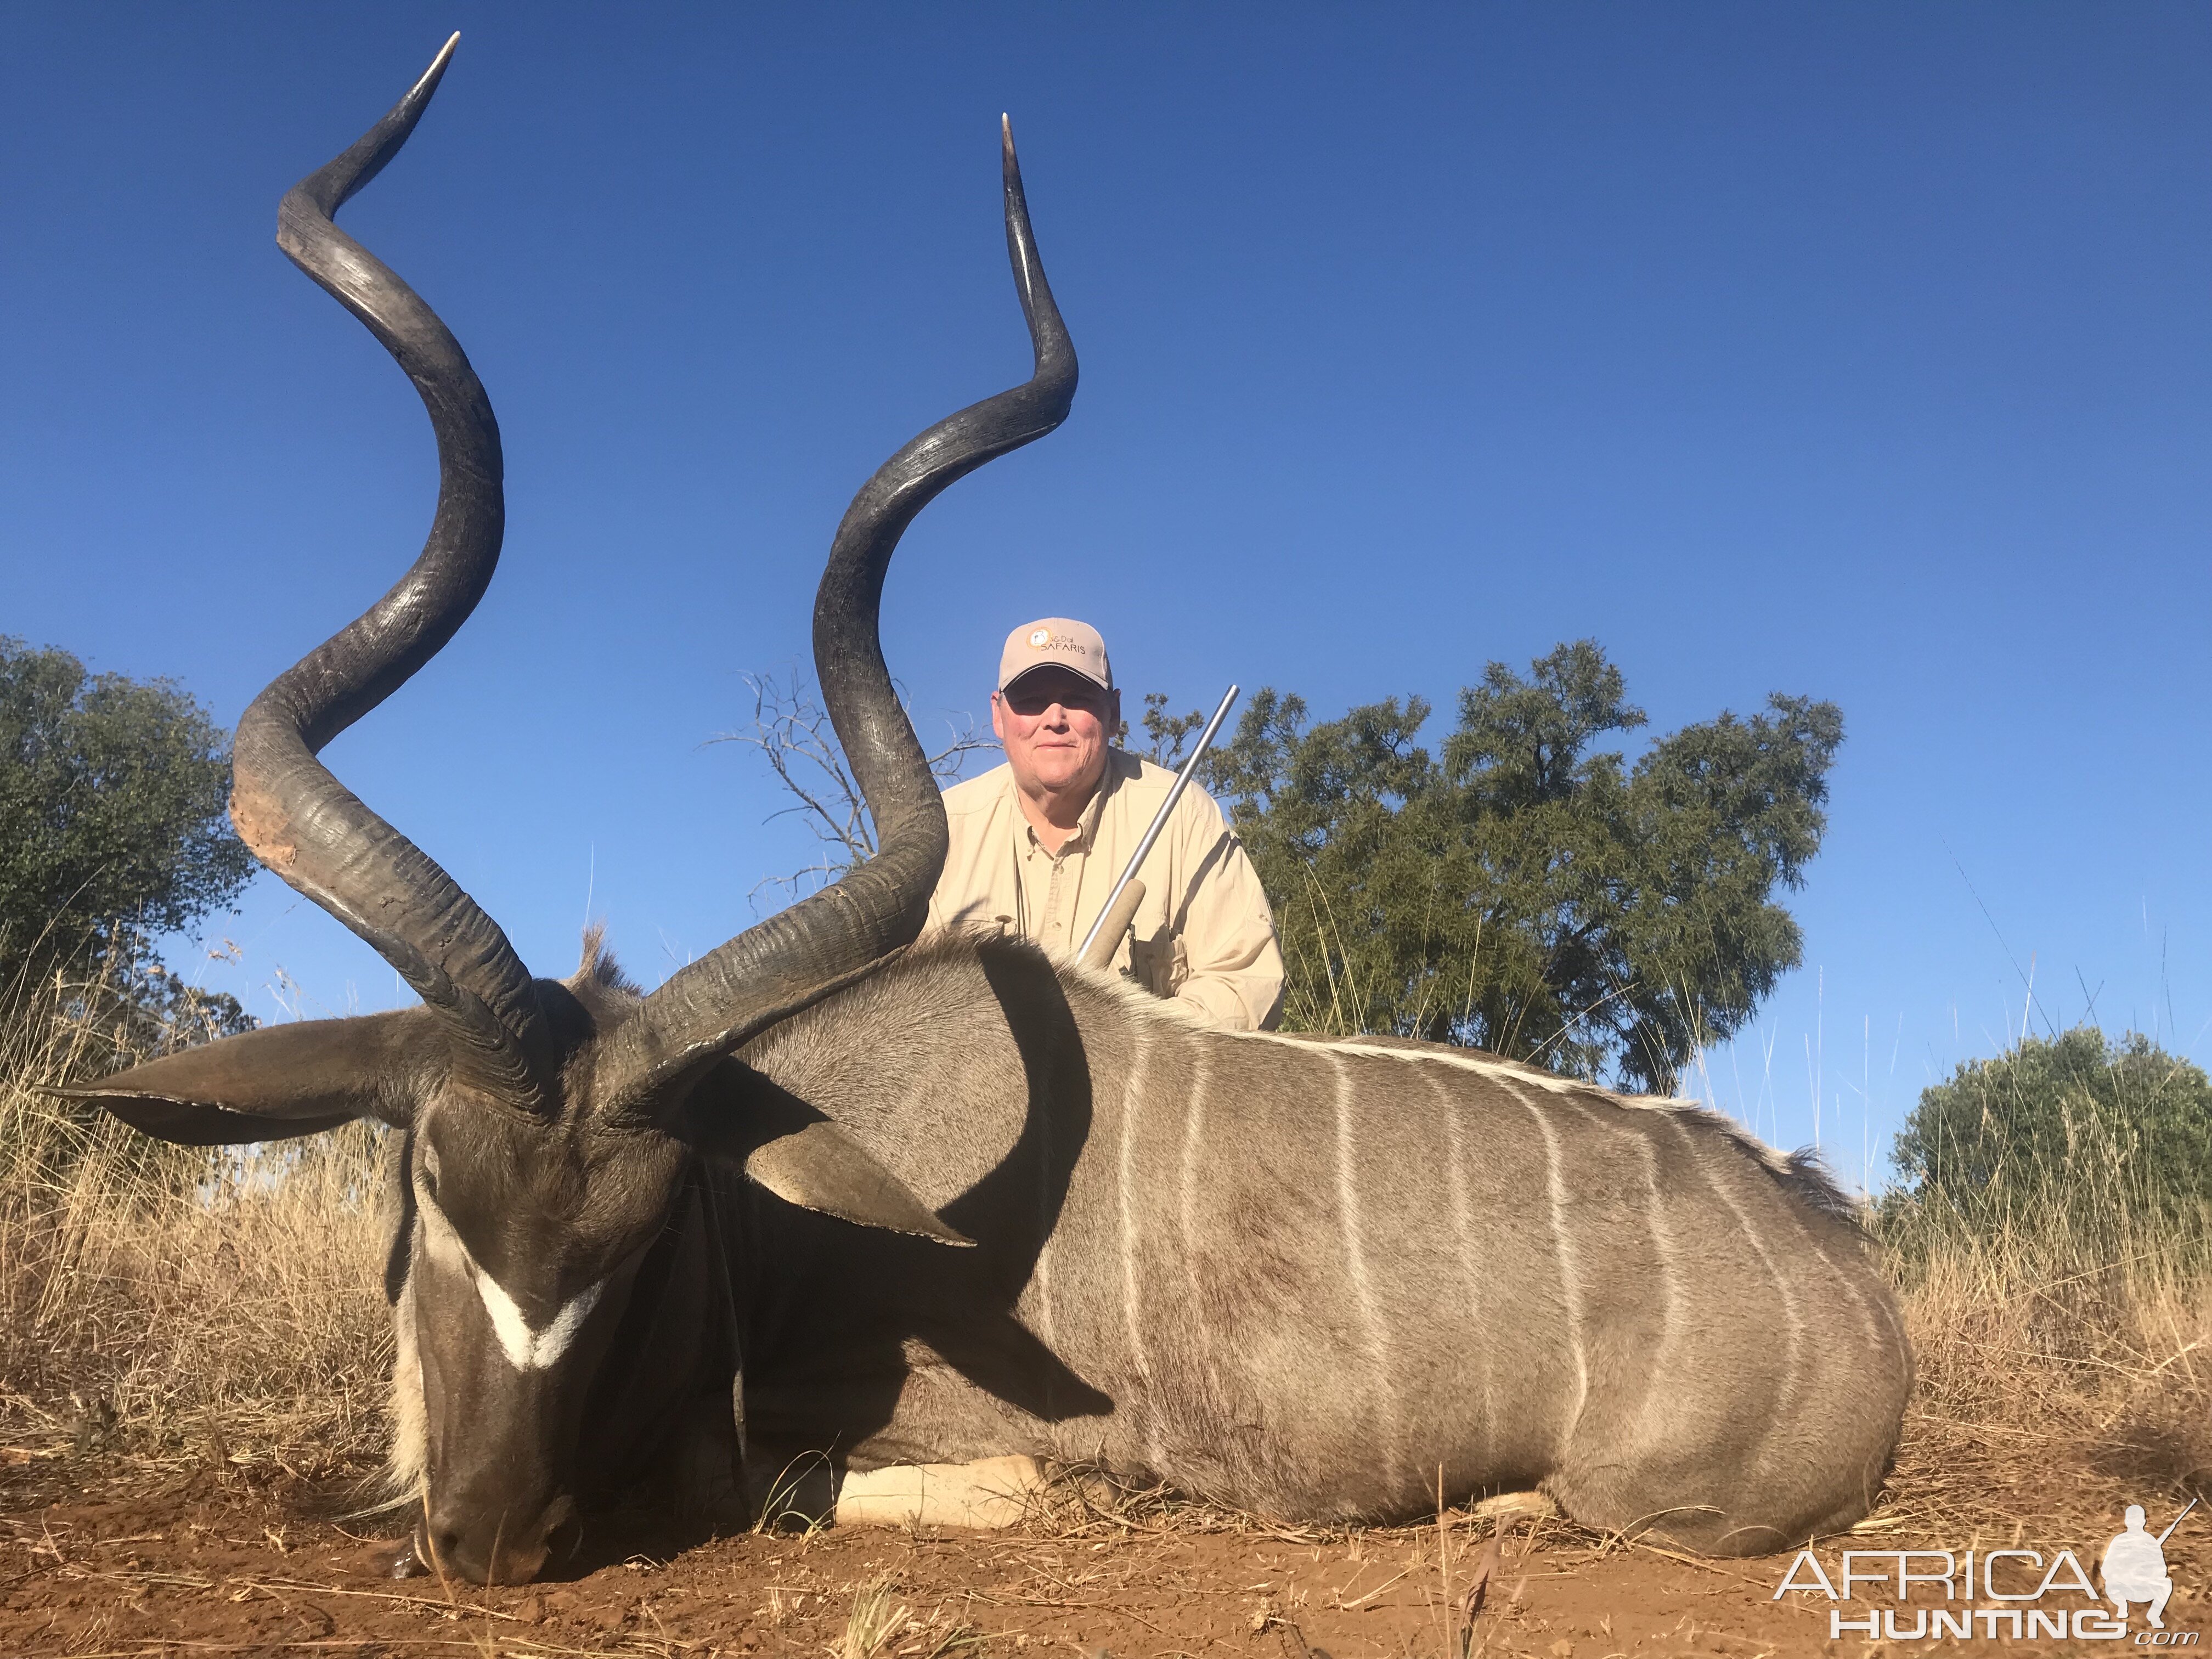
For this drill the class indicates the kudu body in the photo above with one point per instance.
(823, 1192)
(1316, 1280)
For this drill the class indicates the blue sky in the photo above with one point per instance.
(1853, 351)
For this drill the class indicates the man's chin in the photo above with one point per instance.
(1061, 778)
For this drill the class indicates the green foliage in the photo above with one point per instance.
(2105, 1145)
(1170, 734)
(111, 795)
(1527, 891)
(112, 829)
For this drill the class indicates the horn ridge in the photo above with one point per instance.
(297, 818)
(772, 970)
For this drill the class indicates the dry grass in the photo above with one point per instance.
(2059, 1298)
(168, 1301)
(173, 1304)
(2047, 1387)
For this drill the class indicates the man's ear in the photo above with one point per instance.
(738, 1116)
(277, 1082)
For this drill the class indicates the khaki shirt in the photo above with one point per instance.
(1203, 934)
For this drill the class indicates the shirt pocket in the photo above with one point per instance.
(1160, 963)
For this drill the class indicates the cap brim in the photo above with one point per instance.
(1056, 667)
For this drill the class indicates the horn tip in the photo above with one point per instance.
(428, 82)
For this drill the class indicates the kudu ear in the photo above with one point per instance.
(278, 1082)
(820, 1167)
(738, 1116)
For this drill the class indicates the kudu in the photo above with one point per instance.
(821, 1191)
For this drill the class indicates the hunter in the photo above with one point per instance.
(1038, 843)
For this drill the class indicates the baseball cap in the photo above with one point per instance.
(1056, 642)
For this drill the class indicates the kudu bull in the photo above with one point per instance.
(824, 1191)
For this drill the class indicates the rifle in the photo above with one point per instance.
(2178, 1520)
(1127, 894)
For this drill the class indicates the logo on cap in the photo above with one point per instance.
(1056, 642)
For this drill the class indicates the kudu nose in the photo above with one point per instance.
(496, 1549)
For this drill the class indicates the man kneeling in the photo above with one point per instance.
(1038, 843)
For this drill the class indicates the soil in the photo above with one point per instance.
(252, 1557)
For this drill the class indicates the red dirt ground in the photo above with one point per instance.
(99, 1560)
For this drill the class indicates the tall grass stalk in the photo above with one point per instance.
(169, 1299)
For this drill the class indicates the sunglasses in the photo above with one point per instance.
(1030, 700)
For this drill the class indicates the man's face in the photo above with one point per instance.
(1054, 726)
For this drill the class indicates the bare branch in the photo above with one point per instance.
(793, 734)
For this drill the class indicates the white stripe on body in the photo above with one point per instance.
(1662, 1245)
(1131, 1291)
(1670, 1320)
(1355, 1255)
(1462, 1215)
(1194, 1131)
(1041, 1276)
(525, 1349)
(1793, 1349)
(1571, 1290)
(1048, 1230)
(1874, 1315)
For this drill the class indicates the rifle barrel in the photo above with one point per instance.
(2178, 1520)
(1159, 819)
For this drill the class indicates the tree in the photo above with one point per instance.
(2066, 1140)
(1169, 734)
(1525, 892)
(112, 824)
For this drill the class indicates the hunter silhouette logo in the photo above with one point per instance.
(2134, 1567)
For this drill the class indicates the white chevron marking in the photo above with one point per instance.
(525, 1349)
